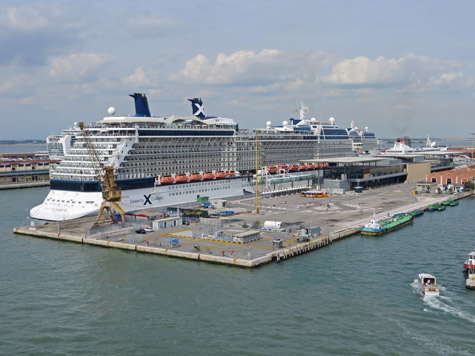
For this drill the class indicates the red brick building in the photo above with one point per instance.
(456, 176)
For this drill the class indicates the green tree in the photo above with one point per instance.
(256, 224)
(469, 185)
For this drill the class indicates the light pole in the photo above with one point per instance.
(473, 133)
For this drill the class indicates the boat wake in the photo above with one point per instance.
(443, 303)
(446, 304)
(434, 344)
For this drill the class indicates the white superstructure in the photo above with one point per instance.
(164, 161)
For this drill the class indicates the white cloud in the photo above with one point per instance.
(28, 35)
(407, 70)
(24, 19)
(14, 84)
(249, 68)
(140, 78)
(78, 66)
(296, 85)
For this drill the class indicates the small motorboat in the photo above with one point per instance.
(417, 213)
(434, 207)
(470, 263)
(427, 285)
(450, 203)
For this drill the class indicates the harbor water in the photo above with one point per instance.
(355, 297)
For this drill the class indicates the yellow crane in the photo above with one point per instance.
(111, 195)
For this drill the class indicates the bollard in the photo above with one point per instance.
(222, 253)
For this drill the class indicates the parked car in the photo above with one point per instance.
(148, 229)
(141, 231)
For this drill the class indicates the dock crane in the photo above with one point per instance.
(111, 195)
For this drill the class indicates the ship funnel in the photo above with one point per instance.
(141, 105)
(197, 108)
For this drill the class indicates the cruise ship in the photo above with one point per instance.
(167, 161)
(364, 141)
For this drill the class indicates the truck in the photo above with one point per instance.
(272, 225)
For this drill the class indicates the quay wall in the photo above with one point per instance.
(276, 255)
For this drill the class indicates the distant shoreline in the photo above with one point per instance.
(23, 144)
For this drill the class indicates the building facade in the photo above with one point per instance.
(18, 169)
(456, 177)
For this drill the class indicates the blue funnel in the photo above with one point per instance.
(141, 105)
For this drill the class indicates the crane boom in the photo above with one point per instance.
(111, 195)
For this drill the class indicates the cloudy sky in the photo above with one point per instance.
(399, 67)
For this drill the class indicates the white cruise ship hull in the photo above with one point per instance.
(66, 205)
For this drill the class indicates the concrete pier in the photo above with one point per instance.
(470, 281)
(338, 217)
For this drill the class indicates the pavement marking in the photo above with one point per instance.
(224, 243)
(190, 242)
(270, 248)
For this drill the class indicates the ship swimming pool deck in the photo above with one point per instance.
(338, 217)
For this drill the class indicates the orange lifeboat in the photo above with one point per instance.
(302, 167)
(195, 177)
(230, 173)
(208, 176)
(166, 180)
(293, 168)
(221, 175)
(181, 178)
(310, 166)
(285, 168)
(271, 169)
(324, 165)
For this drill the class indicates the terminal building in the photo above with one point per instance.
(24, 169)
(363, 172)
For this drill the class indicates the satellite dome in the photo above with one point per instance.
(268, 123)
(332, 120)
(111, 111)
(313, 119)
(366, 128)
(285, 123)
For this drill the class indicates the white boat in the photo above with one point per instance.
(470, 263)
(470, 267)
(428, 285)
(431, 148)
